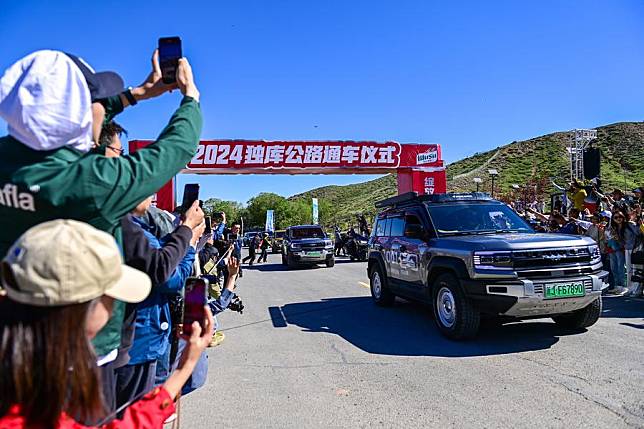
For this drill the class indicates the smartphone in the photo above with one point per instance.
(232, 237)
(208, 225)
(169, 54)
(190, 195)
(194, 300)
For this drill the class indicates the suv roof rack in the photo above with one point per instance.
(434, 198)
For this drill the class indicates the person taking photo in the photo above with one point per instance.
(50, 377)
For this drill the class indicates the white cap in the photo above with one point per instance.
(46, 101)
(64, 262)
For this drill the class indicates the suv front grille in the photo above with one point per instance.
(547, 258)
(312, 246)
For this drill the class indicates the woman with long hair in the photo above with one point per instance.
(615, 236)
(59, 282)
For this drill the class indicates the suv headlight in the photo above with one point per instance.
(294, 246)
(328, 244)
(492, 260)
(595, 254)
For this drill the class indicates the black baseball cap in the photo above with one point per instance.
(102, 84)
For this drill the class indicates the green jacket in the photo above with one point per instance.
(37, 186)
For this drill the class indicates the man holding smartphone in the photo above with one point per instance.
(55, 106)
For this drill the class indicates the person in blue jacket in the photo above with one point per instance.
(153, 323)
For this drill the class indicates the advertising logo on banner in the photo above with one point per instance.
(428, 157)
(269, 221)
(315, 211)
(240, 154)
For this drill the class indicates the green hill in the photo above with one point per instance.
(622, 166)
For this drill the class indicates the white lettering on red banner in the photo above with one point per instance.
(235, 154)
(254, 155)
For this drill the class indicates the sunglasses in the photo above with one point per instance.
(116, 149)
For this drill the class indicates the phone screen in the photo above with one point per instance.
(169, 54)
(190, 195)
(208, 225)
(194, 300)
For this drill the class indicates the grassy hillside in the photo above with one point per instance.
(349, 200)
(621, 145)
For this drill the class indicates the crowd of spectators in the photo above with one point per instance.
(93, 277)
(93, 274)
(613, 220)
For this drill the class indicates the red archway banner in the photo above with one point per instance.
(420, 167)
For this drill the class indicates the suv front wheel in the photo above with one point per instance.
(380, 293)
(581, 319)
(455, 315)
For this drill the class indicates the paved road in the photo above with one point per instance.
(312, 351)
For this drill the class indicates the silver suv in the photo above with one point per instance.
(470, 256)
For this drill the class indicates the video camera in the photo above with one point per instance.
(236, 304)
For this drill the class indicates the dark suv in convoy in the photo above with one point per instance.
(468, 256)
(306, 245)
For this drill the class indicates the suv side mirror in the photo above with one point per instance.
(414, 230)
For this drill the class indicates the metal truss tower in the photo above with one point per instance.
(579, 140)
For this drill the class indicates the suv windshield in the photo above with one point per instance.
(307, 233)
(482, 218)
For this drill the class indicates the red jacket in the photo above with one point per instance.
(148, 412)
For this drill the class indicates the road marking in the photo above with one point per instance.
(363, 284)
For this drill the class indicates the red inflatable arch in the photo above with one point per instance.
(419, 167)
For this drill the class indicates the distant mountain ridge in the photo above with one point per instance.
(622, 166)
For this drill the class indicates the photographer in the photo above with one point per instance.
(55, 106)
(223, 301)
(47, 323)
(223, 239)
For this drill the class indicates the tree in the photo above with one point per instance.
(233, 209)
(257, 207)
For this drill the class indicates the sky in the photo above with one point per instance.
(469, 75)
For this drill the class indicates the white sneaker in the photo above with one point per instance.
(170, 419)
(621, 291)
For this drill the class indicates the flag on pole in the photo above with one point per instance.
(315, 211)
(269, 221)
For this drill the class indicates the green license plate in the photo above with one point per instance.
(313, 253)
(564, 290)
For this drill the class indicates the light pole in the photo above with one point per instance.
(478, 181)
(492, 172)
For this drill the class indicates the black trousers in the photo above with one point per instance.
(251, 256)
(108, 386)
(134, 380)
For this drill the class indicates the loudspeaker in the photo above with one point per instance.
(592, 161)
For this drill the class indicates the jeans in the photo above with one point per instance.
(618, 268)
(163, 367)
(199, 374)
